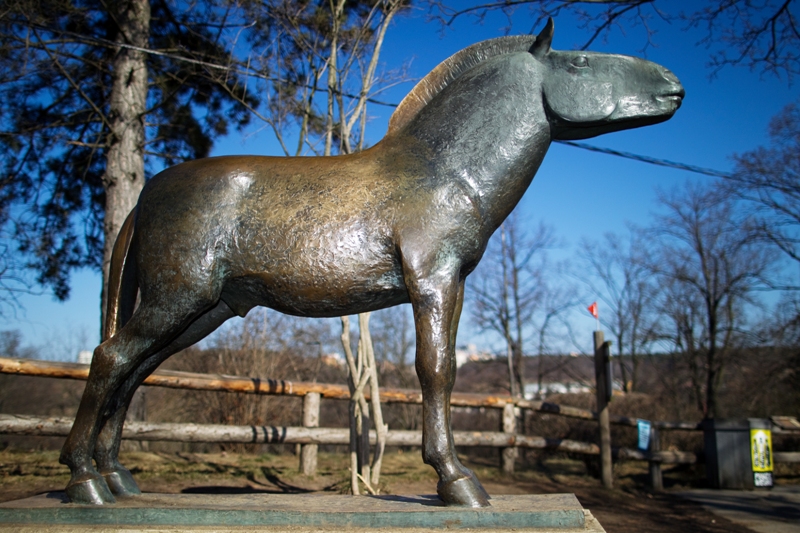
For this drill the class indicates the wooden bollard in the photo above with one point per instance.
(656, 479)
(308, 452)
(509, 423)
(602, 386)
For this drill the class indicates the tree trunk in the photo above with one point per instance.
(622, 368)
(711, 359)
(124, 176)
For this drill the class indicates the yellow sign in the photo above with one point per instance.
(761, 450)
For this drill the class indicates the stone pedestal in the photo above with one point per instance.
(297, 513)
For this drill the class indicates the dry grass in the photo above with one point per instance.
(628, 508)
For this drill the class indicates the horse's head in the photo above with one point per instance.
(588, 93)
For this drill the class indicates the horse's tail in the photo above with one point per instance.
(122, 284)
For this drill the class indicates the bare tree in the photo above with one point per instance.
(556, 300)
(784, 326)
(768, 178)
(621, 280)
(708, 268)
(320, 68)
(363, 371)
(509, 287)
(758, 35)
(393, 337)
(394, 342)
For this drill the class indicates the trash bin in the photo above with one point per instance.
(738, 453)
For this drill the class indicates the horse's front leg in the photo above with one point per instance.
(437, 308)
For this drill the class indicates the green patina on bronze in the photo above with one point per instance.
(403, 222)
(553, 511)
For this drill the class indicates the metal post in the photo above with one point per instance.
(308, 452)
(656, 479)
(509, 455)
(601, 354)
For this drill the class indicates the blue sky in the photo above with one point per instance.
(579, 193)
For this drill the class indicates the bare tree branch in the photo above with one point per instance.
(758, 35)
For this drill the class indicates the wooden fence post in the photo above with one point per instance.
(601, 354)
(509, 423)
(656, 480)
(308, 452)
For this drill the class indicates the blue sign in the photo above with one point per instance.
(644, 434)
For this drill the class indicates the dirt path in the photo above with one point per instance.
(626, 509)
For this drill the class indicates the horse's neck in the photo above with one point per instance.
(490, 131)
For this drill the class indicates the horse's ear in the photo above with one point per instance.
(541, 47)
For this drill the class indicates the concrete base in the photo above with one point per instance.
(298, 513)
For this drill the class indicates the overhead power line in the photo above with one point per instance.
(650, 160)
(249, 72)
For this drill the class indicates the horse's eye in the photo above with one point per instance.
(580, 62)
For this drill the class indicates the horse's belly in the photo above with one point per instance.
(316, 265)
(315, 295)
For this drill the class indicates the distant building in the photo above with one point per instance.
(333, 359)
(555, 387)
(470, 354)
(544, 376)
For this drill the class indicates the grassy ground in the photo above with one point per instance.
(628, 508)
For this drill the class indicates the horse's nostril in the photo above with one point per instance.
(669, 76)
(677, 88)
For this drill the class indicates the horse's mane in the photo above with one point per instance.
(450, 69)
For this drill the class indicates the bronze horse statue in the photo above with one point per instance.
(402, 222)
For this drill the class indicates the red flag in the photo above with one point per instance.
(593, 309)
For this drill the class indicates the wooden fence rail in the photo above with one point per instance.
(218, 382)
(313, 436)
(223, 383)
(151, 431)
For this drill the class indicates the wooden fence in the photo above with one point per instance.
(311, 436)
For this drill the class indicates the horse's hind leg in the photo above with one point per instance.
(106, 452)
(437, 308)
(153, 327)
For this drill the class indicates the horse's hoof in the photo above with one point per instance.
(92, 491)
(121, 483)
(463, 492)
